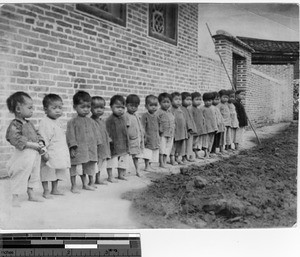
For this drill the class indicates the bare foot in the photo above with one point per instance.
(56, 192)
(101, 183)
(138, 174)
(111, 180)
(93, 185)
(87, 187)
(47, 195)
(121, 178)
(35, 199)
(75, 191)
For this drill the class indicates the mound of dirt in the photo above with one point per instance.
(256, 188)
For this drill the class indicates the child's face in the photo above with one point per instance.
(165, 104)
(176, 101)
(98, 108)
(54, 110)
(241, 96)
(208, 103)
(216, 101)
(118, 108)
(224, 99)
(132, 108)
(83, 109)
(196, 101)
(25, 110)
(151, 106)
(187, 101)
(231, 98)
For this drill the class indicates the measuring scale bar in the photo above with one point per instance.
(39, 245)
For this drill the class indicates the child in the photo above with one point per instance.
(55, 139)
(233, 117)
(135, 130)
(199, 122)
(210, 122)
(180, 133)
(166, 121)
(83, 139)
(191, 126)
(224, 109)
(241, 115)
(116, 126)
(220, 123)
(24, 165)
(98, 106)
(150, 124)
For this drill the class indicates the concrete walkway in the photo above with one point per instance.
(100, 209)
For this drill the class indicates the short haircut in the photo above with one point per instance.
(174, 94)
(195, 95)
(230, 92)
(216, 94)
(97, 98)
(164, 95)
(13, 100)
(50, 98)
(81, 96)
(117, 98)
(208, 96)
(239, 91)
(150, 98)
(223, 92)
(185, 95)
(133, 99)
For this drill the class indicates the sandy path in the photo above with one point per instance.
(100, 209)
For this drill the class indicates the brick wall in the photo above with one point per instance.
(52, 48)
(270, 93)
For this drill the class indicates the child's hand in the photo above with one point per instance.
(72, 152)
(34, 146)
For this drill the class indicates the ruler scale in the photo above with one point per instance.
(69, 245)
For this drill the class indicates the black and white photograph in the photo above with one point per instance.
(148, 115)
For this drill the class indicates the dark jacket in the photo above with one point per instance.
(241, 114)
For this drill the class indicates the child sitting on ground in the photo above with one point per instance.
(224, 109)
(83, 139)
(180, 134)
(220, 123)
(241, 115)
(55, 139)
(191, 127)
(233, 117)
(166, 121)
(135, 130)
(116, 126)
(98, 107)
(199, 122)
(210, 122)
(24, 165)
(151, 130)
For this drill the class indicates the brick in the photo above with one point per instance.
(28, 33)
(63, 60)
(49, 70)
(58, 47)
(26, 53)
(26, 81)
(45, 18)
(70, 20)
(54, 15)
(66, 55)
(64, 24)
(59, 10)
(66, 42)
(60, 35)
(82, 46)
(47, 82)
(34, 9)
(38, 42)
(46, 57)
(90, 32)
(39, 75)
(61, 78)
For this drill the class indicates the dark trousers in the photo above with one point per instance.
(216, 142)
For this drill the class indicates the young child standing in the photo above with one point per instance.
(104, 154)
(135, 130)
(116, 126)
(220, 123)
(54, 136)
(241, 115)
(210, 122)
(83, 139)
(180, 134)
(24, 165)
(150, 124)
(224, 109)
(233, 117)
(191, 127)
(166, 121)
(199, 122)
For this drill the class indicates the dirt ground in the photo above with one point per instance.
(178, 201)
(256, 188)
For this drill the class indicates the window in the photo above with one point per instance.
(115, 13)
(163, 22)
